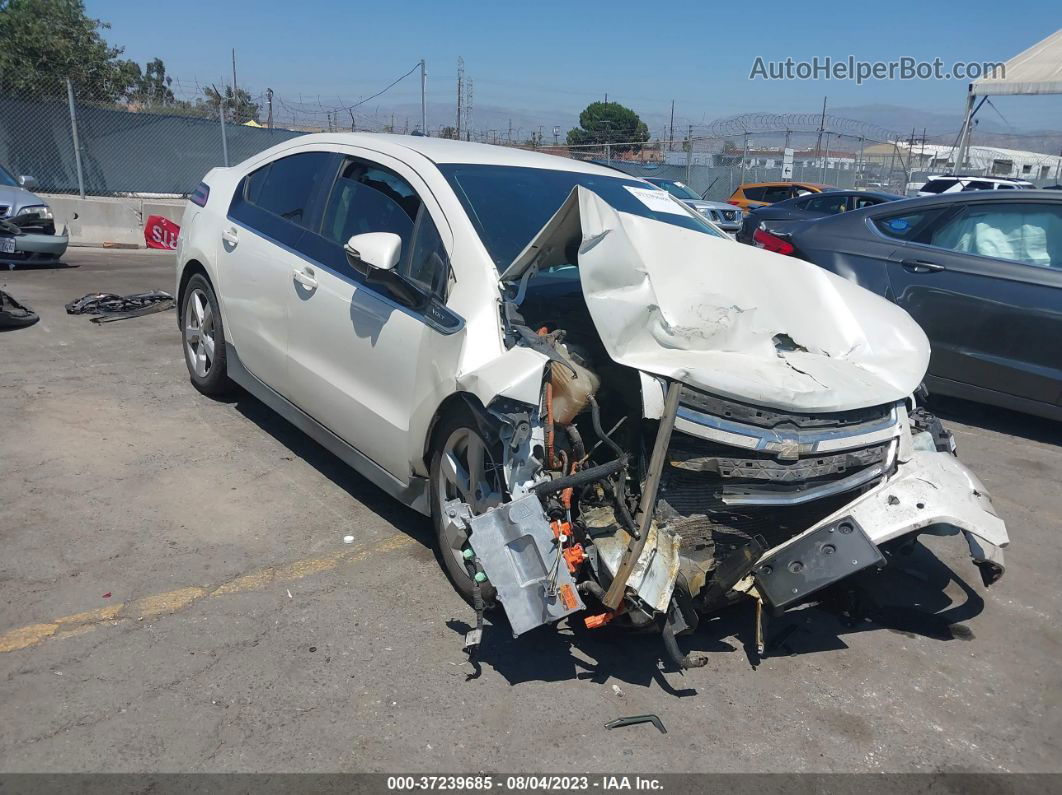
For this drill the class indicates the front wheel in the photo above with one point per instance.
(466, 467)
(204, 338)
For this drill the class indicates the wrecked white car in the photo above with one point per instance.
(606, 406)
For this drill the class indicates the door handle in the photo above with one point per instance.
(920, 266)
(305, 277)
(230, 237)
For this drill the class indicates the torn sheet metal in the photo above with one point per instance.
(733, 320)
(655, 571)
(519, 554)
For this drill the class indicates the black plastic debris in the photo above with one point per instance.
(109, 307)
(13, 314)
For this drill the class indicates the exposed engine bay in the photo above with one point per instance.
(646, 492)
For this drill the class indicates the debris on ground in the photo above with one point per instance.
(634, 719)
(110, 307)
(15, 315)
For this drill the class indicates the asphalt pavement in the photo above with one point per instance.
(176, 594)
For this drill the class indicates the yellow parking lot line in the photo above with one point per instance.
(171, 602)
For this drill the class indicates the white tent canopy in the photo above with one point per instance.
(1038, 70)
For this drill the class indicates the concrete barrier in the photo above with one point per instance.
(100, 220)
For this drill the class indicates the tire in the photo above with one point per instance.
(204, 351)
(455, 438)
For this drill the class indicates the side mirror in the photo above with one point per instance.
(27, 182)
(378, 250)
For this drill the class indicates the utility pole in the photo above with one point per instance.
(460, 86)
(689, 152)
(468, 109)
(556, 135)
(423, 101)
(510, 132)
(671, 134)
(269, 108)
(825, 159)
(822, 125)
(744, 157)
(859, 168)
(234, 94)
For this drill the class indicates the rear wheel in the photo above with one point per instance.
(204, 337)
(466, 467)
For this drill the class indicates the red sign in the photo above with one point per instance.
(161, 232)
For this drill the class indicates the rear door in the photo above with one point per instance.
(985, 283)
(270, 211)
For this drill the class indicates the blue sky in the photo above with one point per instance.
(550, 59)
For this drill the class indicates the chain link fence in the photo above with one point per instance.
(159, 142)
(72, 142)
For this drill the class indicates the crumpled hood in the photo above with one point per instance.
(731, 319)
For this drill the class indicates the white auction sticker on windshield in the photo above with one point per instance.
(658, 201)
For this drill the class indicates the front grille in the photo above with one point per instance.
(718, 496)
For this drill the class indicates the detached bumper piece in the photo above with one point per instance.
(820, 558)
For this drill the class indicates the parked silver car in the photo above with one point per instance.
(27, 225)
(725, 216)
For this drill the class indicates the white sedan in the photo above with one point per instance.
(603, 403)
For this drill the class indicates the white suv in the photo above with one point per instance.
(581, 381)
(948, 183)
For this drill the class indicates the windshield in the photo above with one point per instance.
(680, 190)
(7, 179)
(508, 205)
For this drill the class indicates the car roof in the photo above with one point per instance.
(874, 194)
(819, 185)
(446, 150)
(969, 197)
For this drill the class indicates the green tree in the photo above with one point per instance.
(152, 85)
(46, 41)
(238, 109)
(609, 123)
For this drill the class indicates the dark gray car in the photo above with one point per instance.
(981, 272)
(812, 205)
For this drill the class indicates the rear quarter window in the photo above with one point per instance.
(906, 226)
(753, 194)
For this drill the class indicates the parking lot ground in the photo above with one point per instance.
(176, 594)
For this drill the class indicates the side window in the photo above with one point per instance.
(367, 198)
(906, 226)
(1027, 233)
(286, 186)
(859, 202)
(754, 194)
(427, 264)
(827, 203)
(775, 194)
(978, 184)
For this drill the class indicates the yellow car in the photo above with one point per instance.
(760, 194)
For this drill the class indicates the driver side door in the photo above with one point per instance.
(361, 362)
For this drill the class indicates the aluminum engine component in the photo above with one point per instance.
(522, 559)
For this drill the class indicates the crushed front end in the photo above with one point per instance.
(642, 491)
